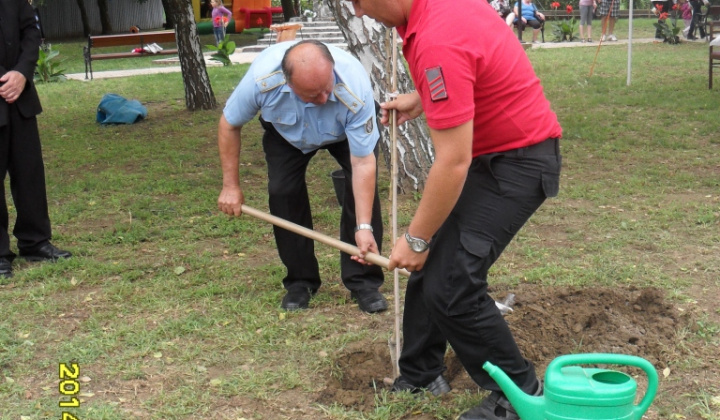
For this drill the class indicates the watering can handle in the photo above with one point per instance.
(614, 359)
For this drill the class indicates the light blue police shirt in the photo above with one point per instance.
(348, 113)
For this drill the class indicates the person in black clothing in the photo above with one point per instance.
(697, 12)
(20, 151)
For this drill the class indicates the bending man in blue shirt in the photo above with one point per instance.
(310, 96)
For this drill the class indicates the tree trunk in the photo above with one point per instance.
(169, 21)
(84, 18)
(198, 91)
(370, 42)
(288, 7)
(104, 17)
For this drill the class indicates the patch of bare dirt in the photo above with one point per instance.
(549, 322)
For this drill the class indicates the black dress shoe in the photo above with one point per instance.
(5, 268)
(496, 407)
(47, 252)
(297, 298)
(370, 300)
(437, 387)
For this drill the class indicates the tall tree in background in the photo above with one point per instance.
(288, 7)
(84, 18)
(370, 42)
(104, 17)
(198, 92)
(169, 21)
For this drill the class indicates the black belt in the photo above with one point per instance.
(544, 148)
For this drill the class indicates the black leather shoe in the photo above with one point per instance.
(437, 387)
(495, 407)
(297, 298)
(47, 252)
(5, 268)
(369, 300)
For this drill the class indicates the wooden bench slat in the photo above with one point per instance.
(136, 40)
(109, 56)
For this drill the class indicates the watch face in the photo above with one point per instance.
(417, 246)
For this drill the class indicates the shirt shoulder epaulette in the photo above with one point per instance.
(348, 98)
(270, 81)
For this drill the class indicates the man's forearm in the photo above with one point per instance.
(363, 182)
(229, 145)
(445, 181)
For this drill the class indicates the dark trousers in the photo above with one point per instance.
(447, 301)
(289, 200)
(694, 23)
(21, 158)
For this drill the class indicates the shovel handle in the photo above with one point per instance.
(345, 247)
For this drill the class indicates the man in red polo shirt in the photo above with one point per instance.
(497, 159)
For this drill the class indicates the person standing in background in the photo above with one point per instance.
(587, 8)
(220, 19)
(20, 149)
(608, 11)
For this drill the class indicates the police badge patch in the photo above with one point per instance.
(436, 84)
(369, 125)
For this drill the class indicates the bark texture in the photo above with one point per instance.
(370, 42)
(289, 8)
(84, 18)
(198, 91)
(104, 17)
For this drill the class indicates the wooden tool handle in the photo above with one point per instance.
(345, 247)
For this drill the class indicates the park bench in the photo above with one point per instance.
(137, 40)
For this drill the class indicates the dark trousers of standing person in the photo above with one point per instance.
(288, 197)
(448, 301)
(694, 23)
(21, 158)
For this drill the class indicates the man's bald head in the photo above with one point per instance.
(308, 69)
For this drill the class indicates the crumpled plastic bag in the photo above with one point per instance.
(114, 109)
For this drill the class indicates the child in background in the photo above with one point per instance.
(220, 18)
(587, 9)
(686, 13)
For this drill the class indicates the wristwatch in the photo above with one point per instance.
(416, 244)
(364, 226)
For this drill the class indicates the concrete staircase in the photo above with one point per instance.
(324, 30)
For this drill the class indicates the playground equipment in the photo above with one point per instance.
(246, 14)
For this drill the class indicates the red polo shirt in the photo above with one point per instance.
(467, 64)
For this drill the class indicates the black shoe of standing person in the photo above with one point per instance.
(437, 387)
(5, 268)
(297, 298)
(370, 300)
(496, 407)
(47, 252)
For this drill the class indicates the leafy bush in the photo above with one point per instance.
(48, 70)
(669, 34)
(223, 51)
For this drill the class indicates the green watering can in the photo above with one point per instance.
(574, 393)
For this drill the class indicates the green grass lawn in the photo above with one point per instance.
(171, 309)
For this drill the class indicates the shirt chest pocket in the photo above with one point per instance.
(330, 127)
(281, 117)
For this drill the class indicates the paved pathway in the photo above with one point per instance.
(166, 65)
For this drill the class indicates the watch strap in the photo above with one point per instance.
(364, 226)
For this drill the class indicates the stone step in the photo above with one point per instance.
(259, 48)
(325, 30)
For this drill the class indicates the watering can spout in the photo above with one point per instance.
(528, 407)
